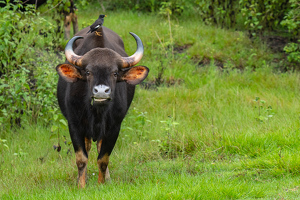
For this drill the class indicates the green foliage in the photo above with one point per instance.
(166, 8)
(292, 18)
(61, 5)
(221, 13)
(174, 7)
(58, 8)
(255, 16)
(263, 15)
(16, 44)
(28, 93)
(27, 82)
(293, 52)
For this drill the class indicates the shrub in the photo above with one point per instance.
(27, 82)
(292, 18)
(293, 51)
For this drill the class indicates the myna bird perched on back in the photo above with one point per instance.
(97, 24)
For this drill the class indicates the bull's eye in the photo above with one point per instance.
(115, 74)
(87, 72)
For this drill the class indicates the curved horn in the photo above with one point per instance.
(70, 55)
(137, 56)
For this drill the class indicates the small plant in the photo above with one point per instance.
(138, 121)
(59, 123)
(264, 113)
(169, 146)
(174, 145)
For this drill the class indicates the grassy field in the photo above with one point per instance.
(203, 133)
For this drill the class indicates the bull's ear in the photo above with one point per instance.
(68, 72)
(135, 75)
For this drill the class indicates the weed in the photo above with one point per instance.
(139, 121)
(59, 123)
(264, 113)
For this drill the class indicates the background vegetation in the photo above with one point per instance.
(217, 118)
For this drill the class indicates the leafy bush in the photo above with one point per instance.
(261, 15)
(293, 51)
(292, 18)
(292, 22)
(27, 82)
(28, 93)
(21, 33)
(221, 13)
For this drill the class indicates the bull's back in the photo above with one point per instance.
(108, 39)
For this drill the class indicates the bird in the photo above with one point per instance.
(97, 24)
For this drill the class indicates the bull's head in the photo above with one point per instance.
(102, 68)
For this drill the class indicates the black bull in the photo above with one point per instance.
(95, 89)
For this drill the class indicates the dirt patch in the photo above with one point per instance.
(181, 49)
(168, 82)
(276, 43)
(206, 61)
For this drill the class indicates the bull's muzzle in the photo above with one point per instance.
(101, 93)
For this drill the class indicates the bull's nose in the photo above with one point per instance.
(101, 91)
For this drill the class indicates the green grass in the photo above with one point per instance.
(218, 149)
(203, 138)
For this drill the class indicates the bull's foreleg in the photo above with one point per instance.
(81, 161)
